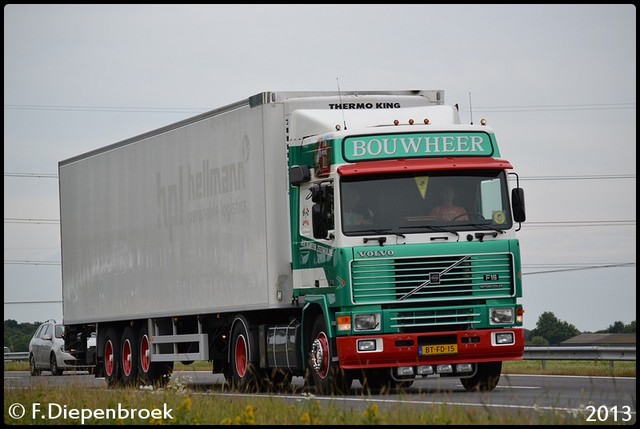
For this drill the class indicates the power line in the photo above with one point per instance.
(540, 224)
(557, 107)
(515, 109)
(580, 177)
(105, 108)
(27, 220)
(620, 265)
(35, 175)
(587, 177)
(33, 302)
(27, 262)
(580, 223)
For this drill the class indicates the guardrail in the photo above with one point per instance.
(611, 353)
(602, 353)
(16, 356)
(530, 353)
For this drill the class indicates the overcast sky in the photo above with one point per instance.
(557, 83)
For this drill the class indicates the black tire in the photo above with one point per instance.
(381, 379)
(244, 376)
(326, 375)
(129, 356)
(111, 360)
(151, 373)
(33, 370)
(485, 379)
(55, 369)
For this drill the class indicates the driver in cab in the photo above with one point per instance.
(447, 210)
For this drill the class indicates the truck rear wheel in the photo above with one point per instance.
(327, 376)
(111, 362)
(244, 375)
(152, 373)
(129, 356)
(485, 379)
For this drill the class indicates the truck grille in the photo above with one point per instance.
(439, 279)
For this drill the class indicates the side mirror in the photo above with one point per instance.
(320, 220)
(299, 174)
(517, 204)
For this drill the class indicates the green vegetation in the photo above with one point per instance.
(193, 407)
(17, 335)
(571, 367)
(188, 407)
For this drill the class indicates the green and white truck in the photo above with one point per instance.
(225, 238)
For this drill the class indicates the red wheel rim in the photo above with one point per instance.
(241, 356)
(108, 358)
(126, 358)
(145, 360)
(324, 350)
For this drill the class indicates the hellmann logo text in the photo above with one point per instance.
(402, 146)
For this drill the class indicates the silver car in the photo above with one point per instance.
(46, 350)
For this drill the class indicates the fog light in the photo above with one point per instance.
(425, 370)
(405, 370)
(444, 369)
(366, 345)
(504, 338)
(464, 367)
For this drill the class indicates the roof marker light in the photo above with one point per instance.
(426, 121)
(410, 121)
(396, 122)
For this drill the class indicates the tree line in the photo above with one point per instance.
(549, 331)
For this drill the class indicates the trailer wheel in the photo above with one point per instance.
(111, 362)
(327, 375)
(152, 373)
(129, 356)
(485, 379)
(244, 376)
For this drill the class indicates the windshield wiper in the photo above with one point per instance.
(433, 229)
(381, 231)
(430, 228)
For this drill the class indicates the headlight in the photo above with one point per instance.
(501, 315)
(366, 322)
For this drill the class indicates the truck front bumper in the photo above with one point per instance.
(457, 347)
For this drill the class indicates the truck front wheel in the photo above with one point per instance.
(485, 379)
(327, 376)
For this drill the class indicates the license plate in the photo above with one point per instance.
(439, 349)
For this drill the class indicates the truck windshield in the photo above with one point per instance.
(416, 203)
